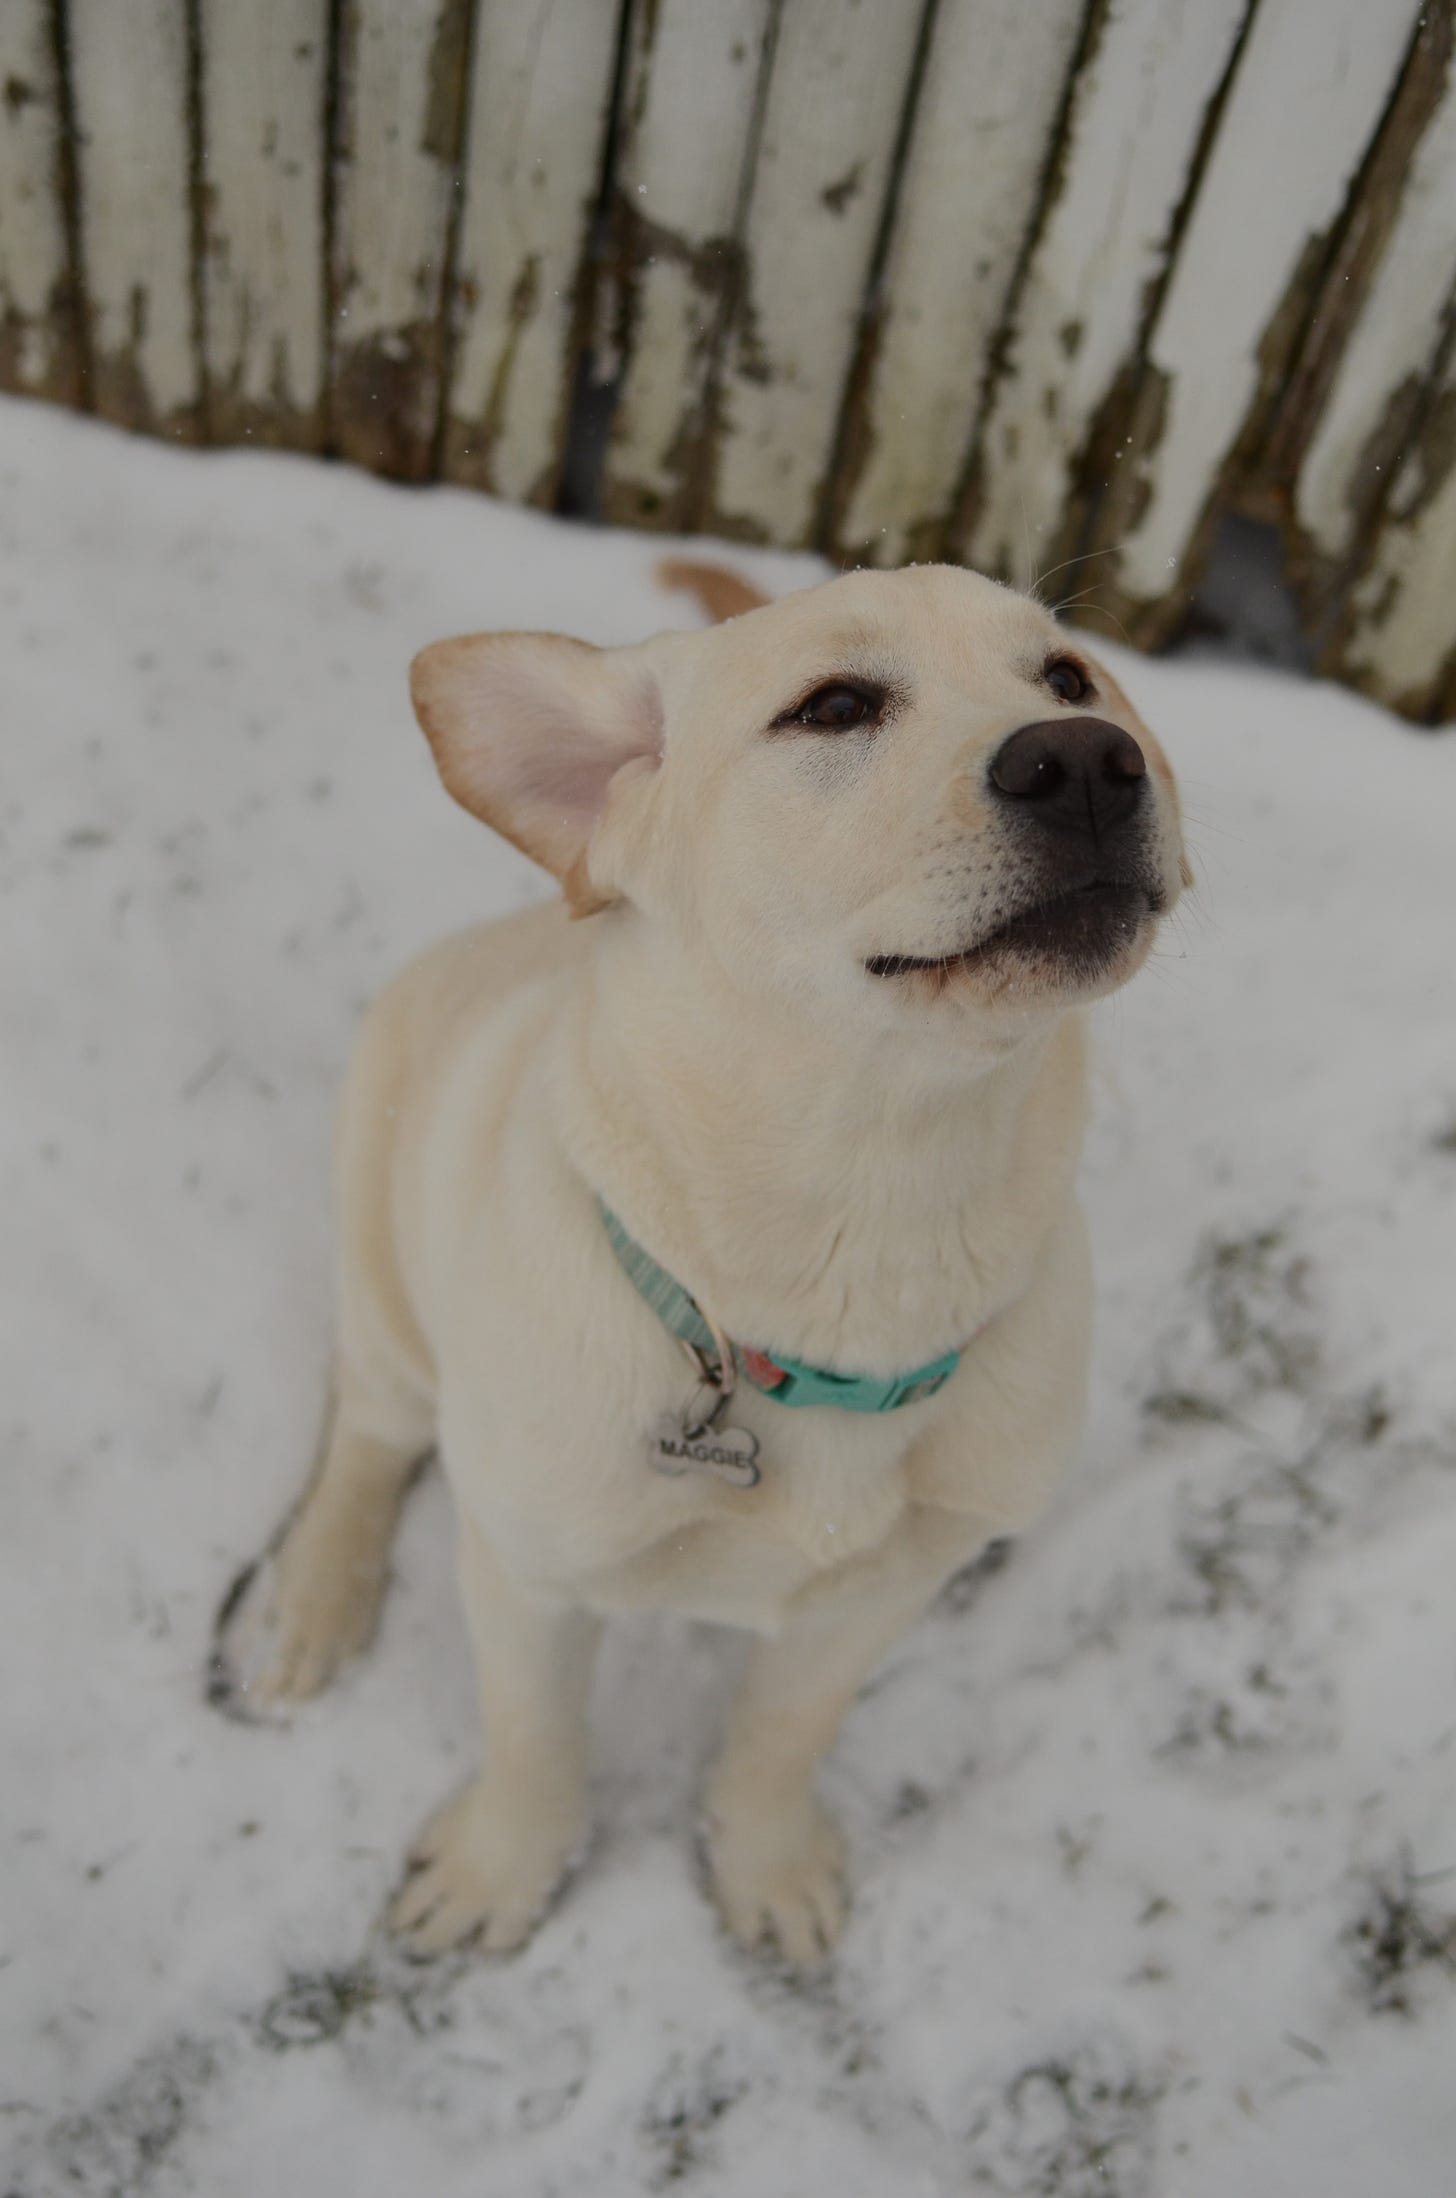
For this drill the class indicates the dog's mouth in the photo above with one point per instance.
(1082, 934)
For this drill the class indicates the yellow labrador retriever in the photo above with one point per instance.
(726, 1244)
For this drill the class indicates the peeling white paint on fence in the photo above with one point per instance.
(840, 76)
(400, 98)
(264, 76)
(1391, 347)
(540, 106)
(33, 232)
(690, 108)
(994, 81)
(1299, 118)
(1398, 639)
(129, 72)
(1140, 101)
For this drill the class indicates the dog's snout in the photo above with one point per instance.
(1080, 774)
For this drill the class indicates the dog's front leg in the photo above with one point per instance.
(777, 1858)
(329, 1575)
(487, 1865)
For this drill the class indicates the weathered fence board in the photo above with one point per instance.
(402, 69)
(1141, 104)
(1379, 379)
(1396, 636)
(692, 106)
(264, 100)
(841, 71)
(539, 113)
(995, 78)
(131, 78)
(1364, 237)
(1299, 117)
(39, 351)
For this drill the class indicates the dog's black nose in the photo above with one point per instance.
(1081, 774)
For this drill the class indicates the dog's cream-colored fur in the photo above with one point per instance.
(861, 1171)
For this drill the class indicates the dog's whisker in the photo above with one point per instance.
(1080, 597)
(1103, 612)
(1081, 558)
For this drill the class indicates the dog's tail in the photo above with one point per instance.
(721, 593)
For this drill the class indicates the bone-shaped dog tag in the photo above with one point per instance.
(676, 1446)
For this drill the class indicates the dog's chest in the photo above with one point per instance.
(828, 1496)
(739, 1556)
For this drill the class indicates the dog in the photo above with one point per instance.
(716, 1221)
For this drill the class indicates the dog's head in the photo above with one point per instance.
(909, 798)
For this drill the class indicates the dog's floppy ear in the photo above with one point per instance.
(529, 733)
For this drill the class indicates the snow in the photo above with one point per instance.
(1154, 1825)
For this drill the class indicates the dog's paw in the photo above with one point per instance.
(779, 1880)
(317, 1605)
(485, 1868)
(283, 1633)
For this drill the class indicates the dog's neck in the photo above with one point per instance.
(823, 1191)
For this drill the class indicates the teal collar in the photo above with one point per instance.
(786, 1380)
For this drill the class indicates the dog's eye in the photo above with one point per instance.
(1067, 679)
(836, 708)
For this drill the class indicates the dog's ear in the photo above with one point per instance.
(722, 594)
(531, 731)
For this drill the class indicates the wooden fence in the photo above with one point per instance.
(1012, 281)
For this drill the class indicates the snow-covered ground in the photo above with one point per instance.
(1154, 1826)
